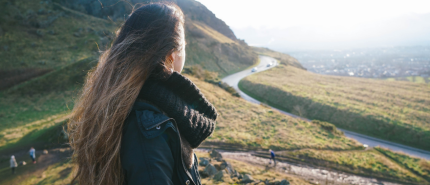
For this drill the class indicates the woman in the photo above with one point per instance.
(138, 119)
(13, 164)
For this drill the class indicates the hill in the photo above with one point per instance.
(241, 126)
(281, 57)
(56, 42)
(38, 37)
(210, 42)
(394, 111)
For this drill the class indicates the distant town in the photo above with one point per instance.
(369, 63)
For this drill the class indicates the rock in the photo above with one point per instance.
(45, 151)
(40, 33)
(285, 182)
(240, 176)
(210, 170)
(325, 172)
(215, 154)
(103, 33)
(236, 174)
(227, 166)
(33, 44)
(51, 32)
(219, 176)
(41, 11)
(90, 30)
(77, 34)
(30, 13)
(204, 162)
(6, 48)
(247, 178)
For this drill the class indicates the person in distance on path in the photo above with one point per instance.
(13, 164)
(272, 156)
(32, 153)
(138, 119)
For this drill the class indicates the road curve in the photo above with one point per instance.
(233, 80)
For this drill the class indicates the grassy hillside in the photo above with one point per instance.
(241, 126)
(248, 126)
(416, 165)
(395, 111)
(210, 42)
(281, 57)
(368, 162)
(37, 38)
(416, 79)
(47, 49)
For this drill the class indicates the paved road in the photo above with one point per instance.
(233, 80)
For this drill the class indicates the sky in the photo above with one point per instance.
(319, 24)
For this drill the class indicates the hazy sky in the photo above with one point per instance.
(310, 21)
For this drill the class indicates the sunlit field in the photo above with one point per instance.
(395, 111)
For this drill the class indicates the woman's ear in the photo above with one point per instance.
(171, 58)
(178, 61)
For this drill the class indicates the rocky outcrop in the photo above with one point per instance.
(204, 47)
(119, 10)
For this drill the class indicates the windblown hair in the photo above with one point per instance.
(142, 48)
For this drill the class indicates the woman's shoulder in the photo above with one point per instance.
(149, 120)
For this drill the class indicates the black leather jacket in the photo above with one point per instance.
(151, 149)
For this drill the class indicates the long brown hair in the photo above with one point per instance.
(142, 48)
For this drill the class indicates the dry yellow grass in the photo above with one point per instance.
(396, 111)
(212, 33)
(250, 125)
(369, 162)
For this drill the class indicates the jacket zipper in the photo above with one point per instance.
(180, 142)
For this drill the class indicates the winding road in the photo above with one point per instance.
(233, 80)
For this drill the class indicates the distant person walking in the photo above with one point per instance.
(13, 164)
(32, 153)
(272, 156)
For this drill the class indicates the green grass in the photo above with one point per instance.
(419, 166)
(215, 52)
(395, 111)
(32, 113)
(248, 125)
(416, 79)
(242, 125)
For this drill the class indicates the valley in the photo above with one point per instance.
(48, 47)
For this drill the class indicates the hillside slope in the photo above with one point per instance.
(210, 42)
(395, 111)
(38, 37)
(281, 57)
(241, 126)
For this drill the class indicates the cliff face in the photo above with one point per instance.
(211, 43)
(118, 10)
(196, 11)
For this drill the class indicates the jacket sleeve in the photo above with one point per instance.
(145, 161)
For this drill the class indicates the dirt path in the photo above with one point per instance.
(29, 170)
(310, 173)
